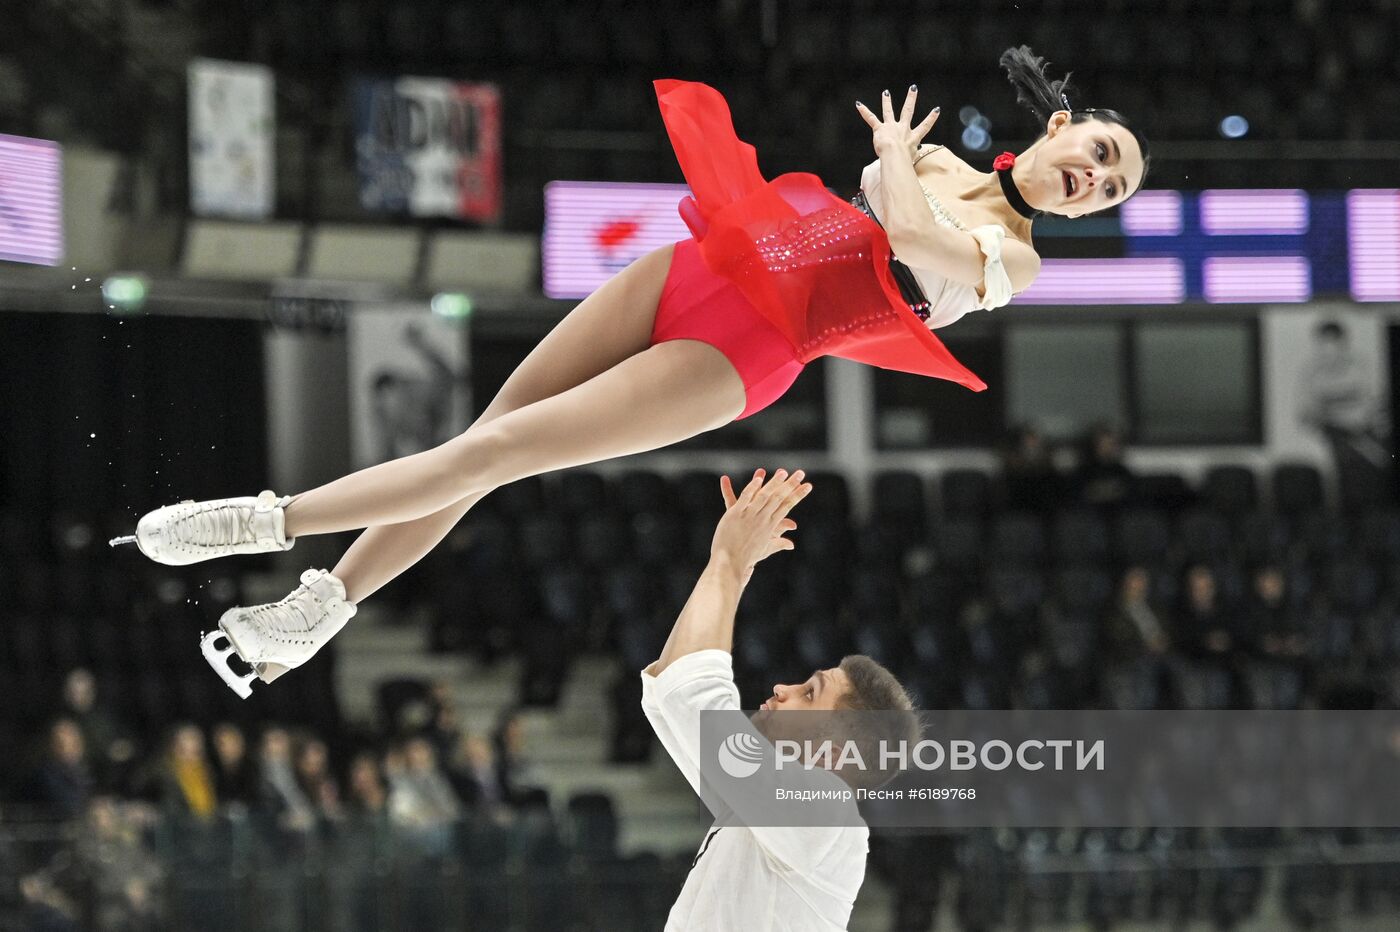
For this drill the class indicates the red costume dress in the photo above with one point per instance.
(779, 272)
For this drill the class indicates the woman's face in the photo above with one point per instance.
(1079, 168)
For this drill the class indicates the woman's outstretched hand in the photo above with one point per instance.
(893, 134)
(756, 519)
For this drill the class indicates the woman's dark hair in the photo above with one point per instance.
(1042, 96)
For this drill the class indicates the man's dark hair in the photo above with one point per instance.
(875, 689)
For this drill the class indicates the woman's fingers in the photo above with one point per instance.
(887, 106)
(907, 114)
(922, 129)
(726, 490)
(867, 115)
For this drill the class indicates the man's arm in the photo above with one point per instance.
(752, 528)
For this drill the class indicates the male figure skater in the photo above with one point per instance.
(759, 879)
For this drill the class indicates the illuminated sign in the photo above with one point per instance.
(31, 200)
(1218, 246)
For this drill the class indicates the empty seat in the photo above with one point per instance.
(831, 495)
(543, 538)
(1203, 537)
(643, 490)
(1083, 589)
(959, 543)
(1141, 537)
(1080, 537)
(582, 491)
(899, 500)
(966, 492)
(1263, 537)
(1018, 538)
(1297, 489)
(1230, 490)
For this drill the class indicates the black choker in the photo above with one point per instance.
(1013, 195)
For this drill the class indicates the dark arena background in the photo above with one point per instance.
(259, 243)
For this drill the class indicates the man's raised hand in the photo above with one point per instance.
(755, 520)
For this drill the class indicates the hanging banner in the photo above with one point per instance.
(1327, 391)
(409, 382)
(429, 147)
(232, 128)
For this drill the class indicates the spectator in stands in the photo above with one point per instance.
(109, 750)
(512, 763)
(367, 798)
(1275, 623)
(1135, 627)
(235, 779)
(1101, 479)
(477, 777)
(1028, 473)
(187, 778)
(123, 870)
(444, 728)
(422, 804)
(62, 783)
(279, 794)
(315, 779)
(1203, 629)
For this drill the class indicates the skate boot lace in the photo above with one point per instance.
(279, 620)
(220, 526)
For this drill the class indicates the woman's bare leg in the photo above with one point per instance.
(608, 326)
(658, 397)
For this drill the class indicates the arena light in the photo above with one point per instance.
(976, 138)
(124, 294)
(1234, 127)
(452, 304)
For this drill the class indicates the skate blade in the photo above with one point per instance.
(218, 659)
(118, 541)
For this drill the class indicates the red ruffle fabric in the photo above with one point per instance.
(811, 263)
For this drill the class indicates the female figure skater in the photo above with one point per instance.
(692, 336)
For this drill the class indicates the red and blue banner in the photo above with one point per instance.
(429, 147)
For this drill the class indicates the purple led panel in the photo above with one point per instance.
(593, 230)
(1373, 235)
(1152, 213)
(1252, 213)
(31, 200)
(1251, 279)
(1107, 281)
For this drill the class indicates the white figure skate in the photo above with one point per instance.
(190, 532)
(274, 638)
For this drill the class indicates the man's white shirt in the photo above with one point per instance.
(753, 879)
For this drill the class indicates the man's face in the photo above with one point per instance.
(821, 692)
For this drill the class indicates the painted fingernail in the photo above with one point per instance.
(937, 109)
(887, 93)
(913, 87)
(859, 104)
